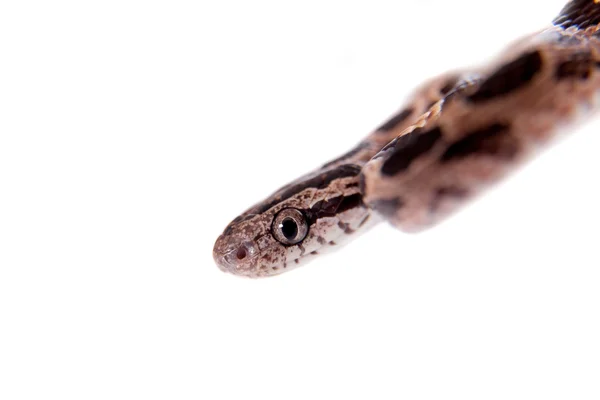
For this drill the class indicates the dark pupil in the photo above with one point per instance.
(289, 228)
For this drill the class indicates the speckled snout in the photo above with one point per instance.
(235, 257)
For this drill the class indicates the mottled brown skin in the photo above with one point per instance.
(332, 205)
(480, 133)
(457, 135)
(251, 231)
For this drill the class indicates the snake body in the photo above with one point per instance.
(458, 134)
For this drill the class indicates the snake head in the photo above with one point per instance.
(299, 221)
(246, 247)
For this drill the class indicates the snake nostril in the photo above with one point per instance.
(241, 253)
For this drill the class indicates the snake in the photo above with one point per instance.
(457, 135)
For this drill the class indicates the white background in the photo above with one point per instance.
(132, 132)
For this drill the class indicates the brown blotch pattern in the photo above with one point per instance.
(362, 184)
(510, 77)
(387, 207)
(302, 249)
(579, 67)
(345, 227)
(493, 140)
(332, 207)
(409, 147)
(320, 181)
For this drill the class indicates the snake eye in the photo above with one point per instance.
(289, 226)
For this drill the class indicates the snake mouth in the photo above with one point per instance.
(242, 261)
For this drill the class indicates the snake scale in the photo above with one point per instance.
(457, 135)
